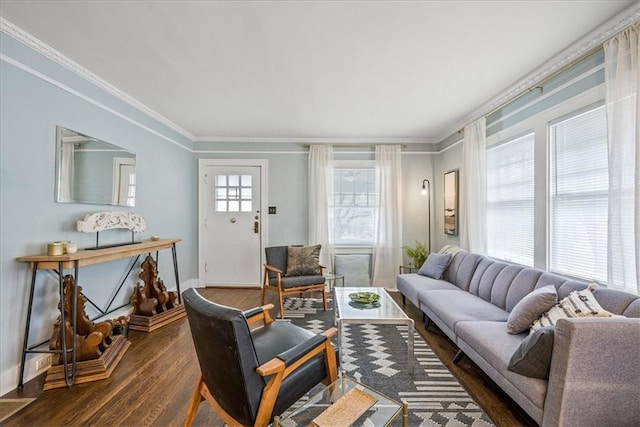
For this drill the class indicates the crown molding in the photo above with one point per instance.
(50, 53)
(573, 53)
(316, 140)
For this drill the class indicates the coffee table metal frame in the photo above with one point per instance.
(332, 280)
(382, 413)
(387, 311)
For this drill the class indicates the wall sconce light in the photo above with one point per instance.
(425, 183)
(426, 191)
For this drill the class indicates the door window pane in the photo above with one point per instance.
(233, 193)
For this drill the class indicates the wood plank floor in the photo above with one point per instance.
(153, 382)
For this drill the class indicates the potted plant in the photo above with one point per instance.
(418, 253)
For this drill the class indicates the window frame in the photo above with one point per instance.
(539, 123)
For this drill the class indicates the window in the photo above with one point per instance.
(510, 200)
(233, 193)
(354, 206)
(578, 195)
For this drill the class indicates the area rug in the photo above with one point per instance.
(376, 355)
(8, 407)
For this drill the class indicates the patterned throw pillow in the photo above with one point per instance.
(303, 261)
(577, 304)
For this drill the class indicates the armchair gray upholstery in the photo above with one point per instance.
(275, 278)
(250, 376)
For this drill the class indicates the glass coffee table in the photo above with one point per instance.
(385, 311)
(382, 413)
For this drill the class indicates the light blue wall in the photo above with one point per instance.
(30, 109)
(288, 183)
(36, 96)
(287, 190)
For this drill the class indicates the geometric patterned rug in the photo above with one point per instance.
(376, 355)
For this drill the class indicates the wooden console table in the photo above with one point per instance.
(74, 261)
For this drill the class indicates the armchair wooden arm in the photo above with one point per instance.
(259, 314)
(278, 370)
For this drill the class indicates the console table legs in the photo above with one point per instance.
(175, 270)
(28, 324)
(69, 377)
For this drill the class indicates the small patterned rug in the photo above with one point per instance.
(376, 355)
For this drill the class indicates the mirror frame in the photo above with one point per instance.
(116, 163)
(451, 202)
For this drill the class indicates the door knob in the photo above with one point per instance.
(233, 220)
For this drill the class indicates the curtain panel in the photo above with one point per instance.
(320, 195)
(387, 250)
(622, 80)
(473, 188)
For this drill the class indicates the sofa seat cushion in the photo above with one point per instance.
(492, 342)
(295, 281)
(410, 285)
(452, 307)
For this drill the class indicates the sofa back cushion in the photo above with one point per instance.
(461, 269)
(504, 285)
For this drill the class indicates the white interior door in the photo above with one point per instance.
(231, 231)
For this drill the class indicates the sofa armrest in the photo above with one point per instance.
(595, 373)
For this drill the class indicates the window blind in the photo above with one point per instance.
(510, 200)
(354, 205)
(578, 195)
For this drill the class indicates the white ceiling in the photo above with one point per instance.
(304, 69)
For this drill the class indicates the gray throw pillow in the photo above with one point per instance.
(530, 308)
(533, 357)
(303, 260)
(435, 265)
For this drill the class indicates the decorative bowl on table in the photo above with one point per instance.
(364, 297)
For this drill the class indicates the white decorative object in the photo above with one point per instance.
(109, 220)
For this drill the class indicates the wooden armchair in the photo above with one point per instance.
(249, 376)
(275, 278)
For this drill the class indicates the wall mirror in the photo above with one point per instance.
(92, 171)
(451, 202)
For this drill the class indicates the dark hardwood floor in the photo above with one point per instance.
(154, 380)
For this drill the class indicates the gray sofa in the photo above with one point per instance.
(594, 378)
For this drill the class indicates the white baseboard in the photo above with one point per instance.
(191, 283)
(9, 378)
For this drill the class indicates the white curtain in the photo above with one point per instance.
(320, 196)
(622, 80)
(387, 250)
(66, 171)
(473, 188)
